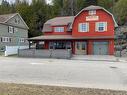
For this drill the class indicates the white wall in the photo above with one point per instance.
(10, 50)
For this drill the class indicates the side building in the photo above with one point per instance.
(13, 31)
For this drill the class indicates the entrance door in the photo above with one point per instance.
(100, 48)
(80, 48)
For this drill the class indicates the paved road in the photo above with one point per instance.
(73, 73)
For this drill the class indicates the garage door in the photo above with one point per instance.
(100, 48)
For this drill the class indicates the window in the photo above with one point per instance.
(11, 29)
(51, 45)
(59, 29)
(68, 45)
(83, 46)
(83, 27)
(60, 45)
(22, 40)
(101, 26)
(6, 39)
(92, 12)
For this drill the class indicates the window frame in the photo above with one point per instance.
(59, 29)
(60, 45)
(99, 26)
(81, 27)
(6, 39)
(10, 29)
(92, 12)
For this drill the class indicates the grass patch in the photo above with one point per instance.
(20, 89)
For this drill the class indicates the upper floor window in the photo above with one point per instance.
(11, 29)
(59, 29)
(92, 12)
(83, 27)
(101, 26)
(6, 39)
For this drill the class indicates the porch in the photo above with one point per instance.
(77, 45)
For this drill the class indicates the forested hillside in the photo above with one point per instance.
(36, 13)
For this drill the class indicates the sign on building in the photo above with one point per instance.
(92, 18)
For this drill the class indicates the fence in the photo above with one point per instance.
(63, 54)
(11, 50)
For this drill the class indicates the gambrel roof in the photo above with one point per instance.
(92, 7)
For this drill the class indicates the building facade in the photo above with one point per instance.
(13, 31)
(90, 32)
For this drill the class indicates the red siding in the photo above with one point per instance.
(103, 17)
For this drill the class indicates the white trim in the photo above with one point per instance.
(80, 28)
(88, 27)
(106, 26)
(97, 26)
(10, 29)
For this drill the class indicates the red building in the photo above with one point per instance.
(90, 32)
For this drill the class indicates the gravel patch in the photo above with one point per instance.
(21, 89)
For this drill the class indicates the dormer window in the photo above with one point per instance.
(92, 12)
(59, 29)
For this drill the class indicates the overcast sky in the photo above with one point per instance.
(48, 1)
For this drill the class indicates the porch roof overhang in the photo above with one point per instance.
(67, 37)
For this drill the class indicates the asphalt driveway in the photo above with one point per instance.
(59, 72)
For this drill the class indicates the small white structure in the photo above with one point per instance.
(11, 50)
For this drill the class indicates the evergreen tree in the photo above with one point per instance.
(38, 12)
(120, 11)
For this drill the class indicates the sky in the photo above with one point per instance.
(48, 1)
